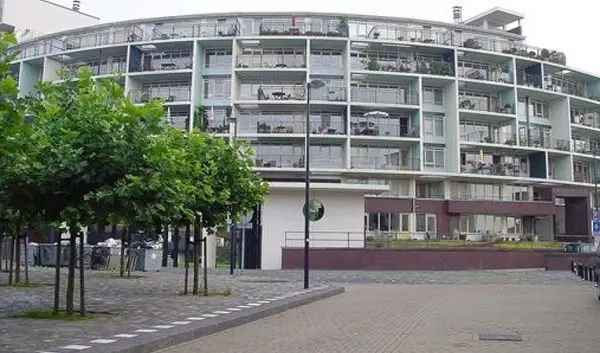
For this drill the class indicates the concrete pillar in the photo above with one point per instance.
(211, 250)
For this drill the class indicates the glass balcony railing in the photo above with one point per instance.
(482, 105)
(529, 80)
(545, 142)
(497, 169)
(361, 126)
(295, 26)
(292, 58)
(322, 157)
(427, 67)
(580, 177)
(179, 121)
(169, 94)
(501, 138)
(386, 161)
(272, 92)
(327, 93)
(586, 119)
(104, 67)
(495, 74)
(384, 95)
(164, 62)
(290, 123)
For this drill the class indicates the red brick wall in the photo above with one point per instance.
(426, 259)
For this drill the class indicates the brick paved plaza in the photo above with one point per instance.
(427, 312)
(380, 312)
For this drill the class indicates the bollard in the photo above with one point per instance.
(579, 271)
(573, 267)
(585, 273)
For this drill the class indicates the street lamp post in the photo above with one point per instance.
(232, 120)
(309, 85)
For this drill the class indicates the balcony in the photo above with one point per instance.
(327, 61)
(500, 45)
(496, 137)
(529, 80)
(106, 66)
(178, 120)
(401, 61)
(484, 104)
(384, 94)
(495, 169)
(307, 26)
(585, 118)
(168, 60)
(485, 72)
(333, 91)
(272, 58)
(562, 85)
(270, 92)
(582, 178)
(400, 32)
(545, 142)
(291, 123)
(170, 94)
(394, 126)
(104, 37)
(390, 162)
(586, 145)
(292, 156)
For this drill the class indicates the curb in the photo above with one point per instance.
(146, 343)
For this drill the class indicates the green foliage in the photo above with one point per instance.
(51, 315)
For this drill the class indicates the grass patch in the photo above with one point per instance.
(51, 315)
(27, 285)
(116, 275)
(423, 244)
(529, 245)
(212, 293)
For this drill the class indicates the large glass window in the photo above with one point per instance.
(435, 157)
(433, 95)
(433, 125)
(386, 222)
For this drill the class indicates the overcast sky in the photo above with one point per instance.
(568, 26)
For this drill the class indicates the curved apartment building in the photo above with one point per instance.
(420, 129)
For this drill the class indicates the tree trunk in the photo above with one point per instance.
(175, 255)
(18, 255)
(81, 277)
(71, 274)
(122, 260)
(129, 254)
(196, 257)
(11, 261)
(186, 259)
(57, 272)
(26, 251)
(165, 245)
(1, 249)
(205, 264)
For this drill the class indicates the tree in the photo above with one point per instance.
(18, 159)
(225, 184)
(90, 136)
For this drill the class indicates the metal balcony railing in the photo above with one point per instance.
(168, 94)
(178, 121)
(546, 142)
(107, 67)
(333, 125)
(263, 160)
(323, 27)
(561, 85)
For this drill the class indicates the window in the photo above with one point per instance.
(433, 95)
(433, 125)
(387, 222)
(435, 157)
(430, 190)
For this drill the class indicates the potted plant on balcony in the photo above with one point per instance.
(342, 27)
(371, 64)
(472, 44)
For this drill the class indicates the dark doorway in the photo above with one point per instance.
(252, 238)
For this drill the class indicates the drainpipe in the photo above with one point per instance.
(528, 119)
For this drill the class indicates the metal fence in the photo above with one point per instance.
(325, 239)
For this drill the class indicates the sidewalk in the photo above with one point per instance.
(148, 301)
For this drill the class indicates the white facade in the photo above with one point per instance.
(342, 224)
(32, 18)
